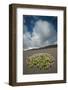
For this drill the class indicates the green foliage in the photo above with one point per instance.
(40, 61)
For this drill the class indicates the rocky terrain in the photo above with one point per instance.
(52, 49)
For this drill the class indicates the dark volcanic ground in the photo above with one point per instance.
(49, 49)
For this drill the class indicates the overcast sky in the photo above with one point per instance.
(39, 31)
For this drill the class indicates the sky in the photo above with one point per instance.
(39, 31)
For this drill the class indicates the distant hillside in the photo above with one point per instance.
(49, 46)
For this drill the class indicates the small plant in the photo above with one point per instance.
(40, 61)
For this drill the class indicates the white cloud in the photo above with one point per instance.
(26, 38)
(43, 34)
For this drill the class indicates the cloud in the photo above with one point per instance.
(25, 29)
(43, 34)
(26, 38)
